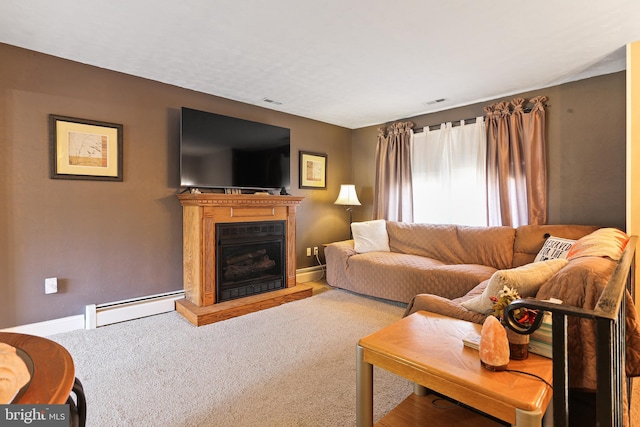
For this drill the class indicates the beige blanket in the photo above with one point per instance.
(580, 284)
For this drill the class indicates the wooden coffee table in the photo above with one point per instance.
(427, 349)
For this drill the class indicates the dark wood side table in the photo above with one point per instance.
(53, 372)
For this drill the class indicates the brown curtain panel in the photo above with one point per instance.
(393, 194)
(516, 163)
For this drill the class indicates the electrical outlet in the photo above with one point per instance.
(51, 285)
(315, 250)
(308, 251)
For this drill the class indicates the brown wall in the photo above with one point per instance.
(585, 150)
(108, 241)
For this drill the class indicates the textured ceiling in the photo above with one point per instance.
(352, 63)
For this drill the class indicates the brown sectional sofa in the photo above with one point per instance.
(438, 267)
(448, 261)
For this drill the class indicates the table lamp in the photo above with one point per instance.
(349, 198)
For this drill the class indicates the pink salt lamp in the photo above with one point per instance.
(494, 345)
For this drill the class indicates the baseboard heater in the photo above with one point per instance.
(97, 315)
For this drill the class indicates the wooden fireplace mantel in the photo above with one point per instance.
(201, 213)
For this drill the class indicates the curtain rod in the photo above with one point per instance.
(453, 123)
(457, 122)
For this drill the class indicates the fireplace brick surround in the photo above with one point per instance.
(201, 214)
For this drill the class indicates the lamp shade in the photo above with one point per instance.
(347, 196)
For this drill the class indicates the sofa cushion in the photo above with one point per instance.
(370, 236)
(400, 277)
(526, 280)
(554, 247)
(454, 244)
(605, 242)
(530, 239)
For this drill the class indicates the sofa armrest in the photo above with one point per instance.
(446, 307)
(346, 246)
(337, 256)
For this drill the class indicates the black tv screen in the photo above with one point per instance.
(218, 151)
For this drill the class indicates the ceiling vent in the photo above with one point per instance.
(435, 101)
(271, 101)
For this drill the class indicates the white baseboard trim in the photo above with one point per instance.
(310, 274)
(50, 327)
(97, 315)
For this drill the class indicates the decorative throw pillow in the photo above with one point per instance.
(553, 248)
(370, 236)
(604, 242)
(526, 279)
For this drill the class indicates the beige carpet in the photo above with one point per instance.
(292, 365)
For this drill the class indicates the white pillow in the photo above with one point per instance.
(554, 247)
(526, 280)
(370, 236)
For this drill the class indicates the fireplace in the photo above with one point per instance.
(224, 228)
(251, 258)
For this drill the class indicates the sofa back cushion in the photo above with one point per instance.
(530, 239)
(454, 244)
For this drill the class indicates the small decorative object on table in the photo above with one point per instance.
(518, 343)
(494, 346)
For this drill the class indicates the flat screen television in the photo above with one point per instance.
(218, 151)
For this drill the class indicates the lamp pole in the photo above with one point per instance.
(350, 209)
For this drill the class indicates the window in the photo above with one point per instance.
(449, 175)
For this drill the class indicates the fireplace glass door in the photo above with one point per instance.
(251, 258)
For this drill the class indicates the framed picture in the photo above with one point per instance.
(85, 149)
(313, 170)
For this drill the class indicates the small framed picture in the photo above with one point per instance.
(85, 149)
(313, 170)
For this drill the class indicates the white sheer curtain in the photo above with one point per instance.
(449, 174)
